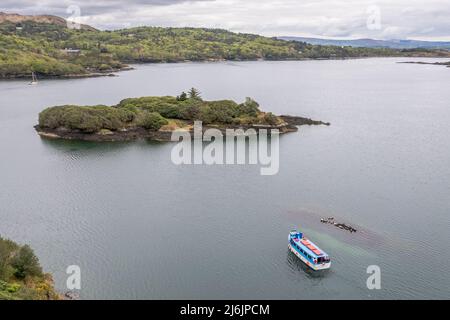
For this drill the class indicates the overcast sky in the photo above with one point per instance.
(381, 19)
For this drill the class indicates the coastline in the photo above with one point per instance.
(445, 64)
(109, 73)
(128, 67)
(290, 124)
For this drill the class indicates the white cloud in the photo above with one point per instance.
(416, 19)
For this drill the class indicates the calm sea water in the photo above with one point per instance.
(141, 227)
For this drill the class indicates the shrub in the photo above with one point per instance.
(249, 108)
(222, 111)
(26, 263)
(152, 121)
(13, 287)
(7, 247)
(24, 278)
(86, 118)
(182, 96)
(150, 113)
(270, 118)
(169, 107)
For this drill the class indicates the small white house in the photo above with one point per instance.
(72, 51)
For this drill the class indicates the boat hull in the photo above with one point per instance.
(315, 267)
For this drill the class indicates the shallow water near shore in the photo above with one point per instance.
(141, 227)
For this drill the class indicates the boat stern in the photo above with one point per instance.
(322, 266)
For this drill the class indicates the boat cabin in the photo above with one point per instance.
(308, 249)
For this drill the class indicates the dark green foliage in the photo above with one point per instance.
(16, 260)
(249, 108)
(218, 112)
(152, 113)
(168, 107)
(85, 118)
(194, 94)
(182, 96)
(152, 121)
(40, 47)
(26, 263)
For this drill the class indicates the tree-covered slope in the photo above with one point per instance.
(40, 46)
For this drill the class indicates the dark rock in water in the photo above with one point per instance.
(342, 226)
(300, 121)
(70, 295)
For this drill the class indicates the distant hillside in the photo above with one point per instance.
(47, 19)
(44, 45)
(372, 43)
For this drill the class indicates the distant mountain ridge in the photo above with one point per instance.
(48, 19)
(373, 43)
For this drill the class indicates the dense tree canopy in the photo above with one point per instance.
(154, 112)
(42, 48)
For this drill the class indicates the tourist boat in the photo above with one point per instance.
(308, 252)
(33, 79)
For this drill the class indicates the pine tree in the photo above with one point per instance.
(182, 96)
(194, 94)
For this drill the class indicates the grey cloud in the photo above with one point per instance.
(321, 18)
(88, 7)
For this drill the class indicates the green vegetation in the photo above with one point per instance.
(152, 121)
(21, 276)
(153, 113)
(41, 47)
(87, 118)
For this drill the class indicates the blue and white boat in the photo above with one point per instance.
(308, 252)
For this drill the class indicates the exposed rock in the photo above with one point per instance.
(300, 121)
(70, 295)
(139, 133)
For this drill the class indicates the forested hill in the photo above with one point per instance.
(49, 48)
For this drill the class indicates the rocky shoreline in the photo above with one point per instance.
(290, 124)
(109, 73)
(447, 64)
